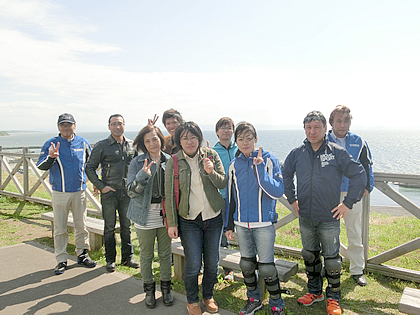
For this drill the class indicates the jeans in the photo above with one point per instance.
(321, 237)
(147, 254)
(258, 241)
(201, 241)
(111, 202)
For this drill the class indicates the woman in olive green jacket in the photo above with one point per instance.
(198, 220)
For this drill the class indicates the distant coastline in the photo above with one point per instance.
(3, 133)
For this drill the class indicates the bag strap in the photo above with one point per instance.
(176, 179)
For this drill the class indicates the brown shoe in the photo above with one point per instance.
(211, 305)
(194, 309)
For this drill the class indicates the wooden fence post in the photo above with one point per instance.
(25, 151)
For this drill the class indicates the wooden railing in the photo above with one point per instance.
(24, 163)
(21, 161)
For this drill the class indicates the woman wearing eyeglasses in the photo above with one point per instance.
(197, 220)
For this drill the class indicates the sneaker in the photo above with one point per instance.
(194, 309)
(229, 276)
(333, 307)
(211, 305)
(251, 307)
(309, 299)
(84, 259)
(60, 268)
(130, 263)
(276, 311)
(110, 266)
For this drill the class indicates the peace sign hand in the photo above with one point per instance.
(259, 159)
(53, 151)
(146, 168)
(152, 122)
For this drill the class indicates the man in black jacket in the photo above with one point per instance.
(114, 154)
(319, 166)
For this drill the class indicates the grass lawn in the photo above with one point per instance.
(381, 296)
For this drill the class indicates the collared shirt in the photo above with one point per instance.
(198, 201)
(340, 141)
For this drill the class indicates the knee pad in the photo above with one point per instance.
(248, 266)
(313, 263)
(269, 272)
(333, 272)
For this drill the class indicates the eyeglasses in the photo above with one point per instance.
(226, 128)
(192, 138)
(114, 124)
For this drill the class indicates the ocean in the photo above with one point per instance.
(393, 151)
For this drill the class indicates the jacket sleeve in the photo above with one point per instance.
(45, 162)
(271, 184)
(356, 174)
(170, 206)
(218, 176)
(366, 161)
(137, 178)
(230, 203)
(288, 172)
(95, 159)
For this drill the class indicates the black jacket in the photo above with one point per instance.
(114, 159)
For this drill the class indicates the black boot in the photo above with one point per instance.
(150, 289)
(166, 288)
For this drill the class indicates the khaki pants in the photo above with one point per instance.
(355, 250)
(62, 203)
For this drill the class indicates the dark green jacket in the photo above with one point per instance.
(211, 183)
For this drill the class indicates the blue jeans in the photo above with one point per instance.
(258, 241)
(111, 202)
(201, 241)
(321, 237)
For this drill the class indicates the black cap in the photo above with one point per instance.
(66, 118)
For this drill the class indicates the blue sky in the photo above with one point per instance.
(267, 62)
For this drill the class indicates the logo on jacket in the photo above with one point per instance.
(326, 158)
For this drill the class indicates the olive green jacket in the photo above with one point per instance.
(211, 183)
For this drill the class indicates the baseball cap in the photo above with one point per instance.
(66, 118)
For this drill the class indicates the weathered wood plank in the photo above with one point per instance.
(395, 272)
(410, 301)
(398, 198)
(395, 252)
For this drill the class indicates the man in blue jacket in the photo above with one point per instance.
(65, 156)
(319, 166)
(340, 121)
(226, 148)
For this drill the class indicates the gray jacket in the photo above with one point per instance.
(140, 185)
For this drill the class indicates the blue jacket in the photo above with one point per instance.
(252, 191)
(319, 176)
(359, 150)
(140, 185)
(67, 171)
(226, 155)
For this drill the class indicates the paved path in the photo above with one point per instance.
(28, 285)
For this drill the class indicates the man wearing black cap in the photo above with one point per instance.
(65, 156)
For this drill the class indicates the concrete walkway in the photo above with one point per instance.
(28, 285)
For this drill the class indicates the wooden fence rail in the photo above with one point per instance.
(24, 163)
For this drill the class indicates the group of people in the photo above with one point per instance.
(175, 186)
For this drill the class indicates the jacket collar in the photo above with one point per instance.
(111, 140)
(163, 157)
